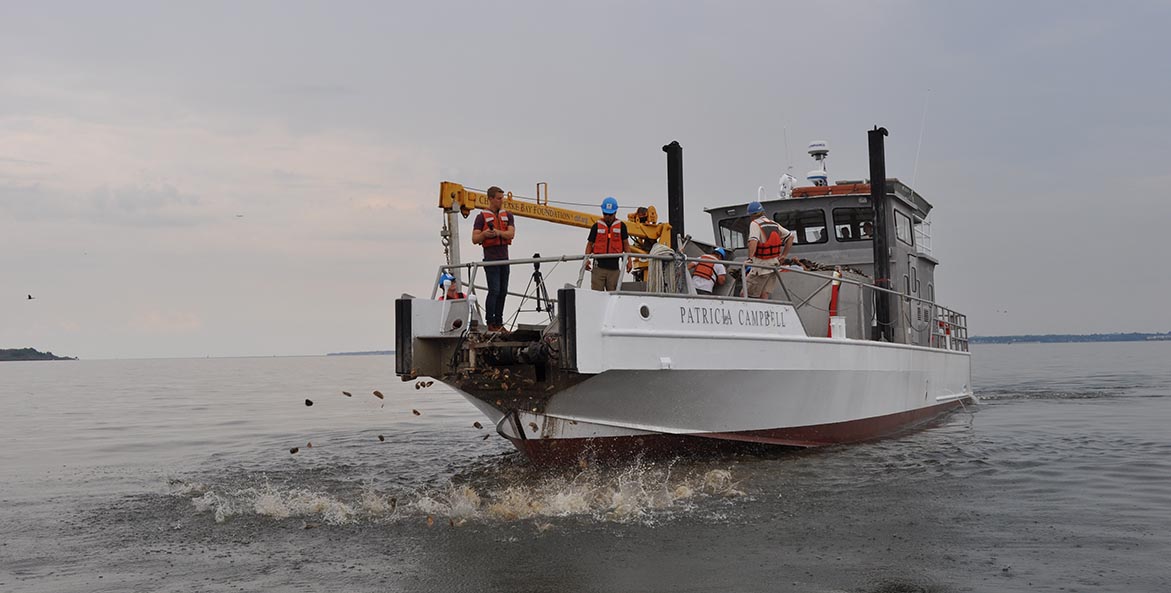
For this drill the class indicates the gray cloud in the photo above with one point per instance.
(1044, 150)
(160, 206)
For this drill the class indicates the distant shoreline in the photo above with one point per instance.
(1071, 338)
(16, 354)
(363, 353)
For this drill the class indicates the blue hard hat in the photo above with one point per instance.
(445, 278)
(721, 252)
(754, 207)
(609, 206)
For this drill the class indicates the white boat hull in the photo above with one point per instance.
(663, 372)
(862, 391)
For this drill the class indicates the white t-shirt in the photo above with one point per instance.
(702, 283)
(754, 232)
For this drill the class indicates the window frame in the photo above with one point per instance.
(899, 218)
(855, 231)
(728, 230)
(800, 230)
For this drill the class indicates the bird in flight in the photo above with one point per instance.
(31, 297)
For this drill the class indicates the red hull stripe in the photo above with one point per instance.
(555, 451)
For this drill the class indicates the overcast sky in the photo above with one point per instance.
(262, 178)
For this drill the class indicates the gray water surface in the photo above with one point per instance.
(176, 475)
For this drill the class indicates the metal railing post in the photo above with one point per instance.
(621, 271)
(743, 279)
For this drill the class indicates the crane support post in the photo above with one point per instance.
(453, 196)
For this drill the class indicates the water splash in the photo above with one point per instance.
(282, 503)
(639, 493)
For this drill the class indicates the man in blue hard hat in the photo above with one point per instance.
(768, 244)
(608, 236)
(450, 288)
(709, 273)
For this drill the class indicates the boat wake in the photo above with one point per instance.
(1040, 393)
(644, 494)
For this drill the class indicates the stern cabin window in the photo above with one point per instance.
(903, 228)
(808, 224)
(854, 224)
(733, 233)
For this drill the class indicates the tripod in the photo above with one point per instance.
(540, 293)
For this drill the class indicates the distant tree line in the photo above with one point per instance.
(29, 354)
(1057, 338)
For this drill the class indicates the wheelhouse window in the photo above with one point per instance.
(733, 233)
(854, 224)
(809, 225)
(903, 228)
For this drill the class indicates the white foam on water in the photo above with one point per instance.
(221, 507)
(644, 494)
(279, 503)
(637, 494)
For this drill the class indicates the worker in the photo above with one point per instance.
(768, 244)
(494, 230)
(450, 287)
(709, 273)
(608, 236)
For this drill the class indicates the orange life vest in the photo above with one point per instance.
(770, 245)
(458, 295)
(706, 269)
(500, 223)
(608, 239)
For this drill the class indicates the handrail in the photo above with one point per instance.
(667, 258)
(955, 322)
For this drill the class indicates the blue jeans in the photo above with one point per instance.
(497, 290)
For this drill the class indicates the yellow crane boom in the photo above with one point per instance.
(453, 196)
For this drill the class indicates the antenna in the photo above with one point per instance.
(788, 159)
(922, 129)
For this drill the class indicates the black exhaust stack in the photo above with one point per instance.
(675, 189)
(884, 331)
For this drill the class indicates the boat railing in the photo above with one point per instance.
(948, 328)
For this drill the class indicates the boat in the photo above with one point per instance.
(853, 347)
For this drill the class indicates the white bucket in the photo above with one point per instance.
(837, 327)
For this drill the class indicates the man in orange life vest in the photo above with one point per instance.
(494, 229)
(607, 236)
(709, 273)
(768, 244)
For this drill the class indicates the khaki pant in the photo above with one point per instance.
(761, 283)
(603, 279)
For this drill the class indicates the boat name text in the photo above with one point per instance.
(723, 316)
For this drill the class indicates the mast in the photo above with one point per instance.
(884, 331)
(675, 189)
